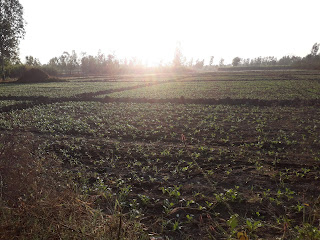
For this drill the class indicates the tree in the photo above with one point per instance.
(211, 60)
(89, 64)
(54, 62)
(11, 30)
(236, 61)
(178, 58)
(199, 64)
(31, 61)
(315, 49)
(221, 62)
(288, 60)
(63, 61)
(112, 64)
(71, 61)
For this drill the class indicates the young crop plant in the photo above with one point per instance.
(185, 169)
(231, 195)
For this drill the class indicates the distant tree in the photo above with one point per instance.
(63, 61)
(315, 49)
(89, 64)
(312, 60)
(101, 62)
(11, 30)
(199, 64)
(236, 61)
(178, 57)
(256, 61)
(190, 63)
(54, 62)
(221, 62)
(246, 61)
(72, 61)
(288, 60)
(112, 64)
(211, 60)
(31, 61)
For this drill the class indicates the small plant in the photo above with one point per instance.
(233, 222)
(189, 218)
(176, 226)
(167, 205)
(307, 231)
(229, 195)
(144, 199)
(172, 191)
(253, 225)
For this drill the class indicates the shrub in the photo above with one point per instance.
(15, 71)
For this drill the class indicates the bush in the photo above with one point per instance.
(15, 71)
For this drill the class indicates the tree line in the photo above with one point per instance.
(12, 29)
(311, 61)
(72, 63)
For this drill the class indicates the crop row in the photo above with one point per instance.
(6, 103)
(187, 170)
(130, 78)
(166, 122)
(59, 89)
(266, 90)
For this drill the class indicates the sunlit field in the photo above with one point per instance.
(189, 156)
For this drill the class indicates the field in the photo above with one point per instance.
(190, 156)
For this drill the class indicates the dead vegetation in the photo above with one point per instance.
(38, 202)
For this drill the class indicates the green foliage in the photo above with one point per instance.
(307, 231)
(233, 222)
(11, 30)
(236, 61)
(15, 71)
(31, 61)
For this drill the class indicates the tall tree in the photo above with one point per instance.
(72, 61)
(11, 30)
(178, 57)
(315, 49)
(211, 60)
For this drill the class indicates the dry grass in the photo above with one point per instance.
(37, 202)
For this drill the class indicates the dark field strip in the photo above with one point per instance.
(226, 101)
(247, 79)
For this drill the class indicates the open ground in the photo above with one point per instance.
(189, 156)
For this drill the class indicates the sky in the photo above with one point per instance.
(151, 29)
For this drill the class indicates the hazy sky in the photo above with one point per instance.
(150, 30)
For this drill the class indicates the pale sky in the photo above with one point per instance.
(150, 30)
